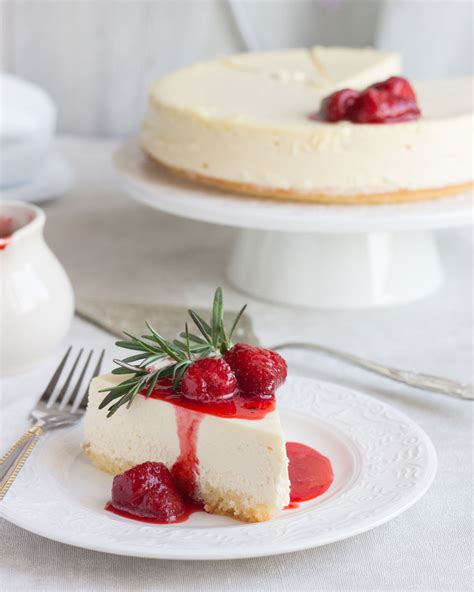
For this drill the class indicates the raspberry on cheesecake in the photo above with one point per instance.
(390, 101)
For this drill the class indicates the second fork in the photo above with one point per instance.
(53, 410)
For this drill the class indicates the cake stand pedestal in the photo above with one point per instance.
(311, 255)
(336, 270)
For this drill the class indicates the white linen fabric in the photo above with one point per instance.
(114, 248)
(99, 59)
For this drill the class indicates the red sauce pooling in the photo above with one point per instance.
(186, 469)
(238, 407)
(191, 508)
(310, 472)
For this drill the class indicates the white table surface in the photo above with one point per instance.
(115, 248)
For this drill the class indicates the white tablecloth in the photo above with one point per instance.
(115, 248)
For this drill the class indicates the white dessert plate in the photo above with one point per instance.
(382, 461)
(54, 180)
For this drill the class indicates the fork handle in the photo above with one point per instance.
(13, 461)
(425, 382)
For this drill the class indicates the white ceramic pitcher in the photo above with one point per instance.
(36, 298)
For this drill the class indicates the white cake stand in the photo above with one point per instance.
(311, 255)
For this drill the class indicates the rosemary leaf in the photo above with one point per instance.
(201, 325)
(135, 358)
(166, 346)
(176, 356)
(152, 384)
(129, 345)
(120, 371)
(188, 345)
(217, 316)
(236, 321)
(194, 338)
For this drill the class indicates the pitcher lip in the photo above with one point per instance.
(16, 208)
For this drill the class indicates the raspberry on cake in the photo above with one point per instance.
(201, 414)
(390, 101)
(258, 371)
(148, 491)
(207, 380)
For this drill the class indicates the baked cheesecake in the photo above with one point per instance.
(198, 410)
(246, 123)
(239, 455)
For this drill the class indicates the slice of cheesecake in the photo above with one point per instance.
(230, 454)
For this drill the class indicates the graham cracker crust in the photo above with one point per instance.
(275, 193)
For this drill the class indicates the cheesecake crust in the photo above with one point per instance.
(279, 194)
(106, 463)
(233, 504)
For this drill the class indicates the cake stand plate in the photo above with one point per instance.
(319, 256)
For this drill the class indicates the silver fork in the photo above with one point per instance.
(53, 410)
(426, 382)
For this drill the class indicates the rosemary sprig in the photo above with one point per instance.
(156, 358)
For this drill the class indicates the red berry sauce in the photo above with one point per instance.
(240, 406)
(189, 508)
(186, 469)
(310, 472)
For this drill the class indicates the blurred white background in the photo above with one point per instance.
(98, 58)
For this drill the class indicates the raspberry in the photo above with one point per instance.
(396, 85)
(148, 490)
(279, 364)
(258, 371)
(379, 106)
(390, 101)
(209, 380)
(335, 107)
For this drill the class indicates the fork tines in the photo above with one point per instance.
(68, 396)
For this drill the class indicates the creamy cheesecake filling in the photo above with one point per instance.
(242, 465)
(340, 159)
(243, 122)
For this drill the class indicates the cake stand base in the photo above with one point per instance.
(336, 270)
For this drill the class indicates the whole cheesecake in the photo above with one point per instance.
(244, 123)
